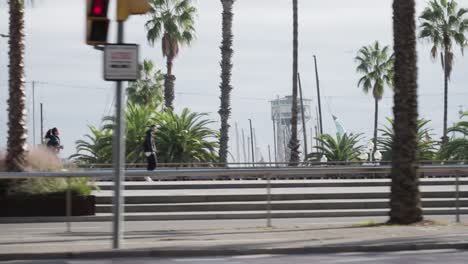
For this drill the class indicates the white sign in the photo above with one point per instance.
(121, 62)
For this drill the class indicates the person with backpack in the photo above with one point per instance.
(53, 140)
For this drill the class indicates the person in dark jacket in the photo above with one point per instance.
(47, 136)
(53, 140)
(149, 147)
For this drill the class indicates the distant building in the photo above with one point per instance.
(281, 117)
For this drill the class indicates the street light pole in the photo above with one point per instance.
(42, 125)
(274, 139)
(34, 113)
(269, 155)
(237, 143)
(251, 142)
(243, 147)
(318, 96)
(304, 129)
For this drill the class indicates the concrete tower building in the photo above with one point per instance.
(281, 117)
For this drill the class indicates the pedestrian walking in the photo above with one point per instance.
(149, 147)
(53, 140)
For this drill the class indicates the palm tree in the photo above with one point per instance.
(180, 138)
(344, 148)
(376, 65)
(186, 138)
(147, 90)
(17, 130)
(456, 148)
(225, 86)
(138, 119)
(95, 148)
(293, 142)
(426, 145)
(444, 24)
(405, 198)
(172, 21)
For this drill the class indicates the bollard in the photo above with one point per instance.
(268, 200)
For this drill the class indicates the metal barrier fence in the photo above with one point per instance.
(263, 164)
(241, 173)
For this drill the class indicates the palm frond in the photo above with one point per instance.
(376, 65)
(173, 22)
(343, 148)
(424, 136)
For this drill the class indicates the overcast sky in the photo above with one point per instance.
(68, 73)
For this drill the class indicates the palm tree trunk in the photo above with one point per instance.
(405, 198)
(169, 84)
(294, 143)
(225, 86)
(376, 121)
(17, 130)
(446, 79)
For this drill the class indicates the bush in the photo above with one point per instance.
(41, 159)
(38, 159)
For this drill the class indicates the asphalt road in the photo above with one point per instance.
(426, 256)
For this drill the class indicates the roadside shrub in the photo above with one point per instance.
(78, 186)
(40, 159)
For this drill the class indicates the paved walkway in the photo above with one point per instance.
(224, 237)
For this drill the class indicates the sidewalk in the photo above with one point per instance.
(223, 237)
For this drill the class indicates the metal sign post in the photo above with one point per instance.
(118, 155)
(120, 64)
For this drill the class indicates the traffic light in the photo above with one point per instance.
(126, 8)
(97, 23)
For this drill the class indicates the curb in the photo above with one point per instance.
(141, 253)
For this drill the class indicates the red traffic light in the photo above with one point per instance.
(97, 23)
(99, 8)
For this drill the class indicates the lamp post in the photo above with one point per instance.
(377, 157)
(366, 155)
(370, 147)
(252, 143)
(323, 160)
(318, 96)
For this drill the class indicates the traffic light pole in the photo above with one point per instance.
(118, 154)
